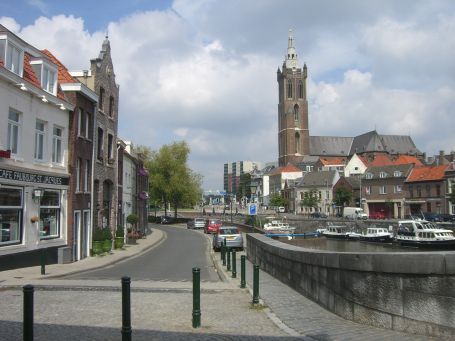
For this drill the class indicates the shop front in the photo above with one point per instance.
(32, 216)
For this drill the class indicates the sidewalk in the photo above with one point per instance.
(32, 275)
(297, 315)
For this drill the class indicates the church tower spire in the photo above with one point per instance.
(293, 131)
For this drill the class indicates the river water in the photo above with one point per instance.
(323, 243)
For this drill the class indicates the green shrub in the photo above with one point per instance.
(107, 235)
(98, 235)
(120, 232)
(132, 219)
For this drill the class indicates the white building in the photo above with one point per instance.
(33, 151)
(129, 196)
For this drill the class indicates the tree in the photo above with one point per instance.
(342, 196)
(277, 200)
(170, 178)
(310, 199)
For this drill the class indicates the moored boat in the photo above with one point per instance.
(336, 232)
(377, 235)
(424, 234)
(275, 226)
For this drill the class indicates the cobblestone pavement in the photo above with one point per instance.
(164, 314)
(305, 317)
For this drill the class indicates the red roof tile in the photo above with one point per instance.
(427, 173)
(286, 169)
(331, 161)
(407, 159)
(28, 74)
(379, 160)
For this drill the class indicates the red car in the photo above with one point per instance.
(377, 215)
(212, 226)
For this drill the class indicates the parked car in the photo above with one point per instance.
(196, 223)
(448, 217)
(280, 209)
(430, 216)
(232, 235)
(165, 219)
(212, 225)
(318, 215)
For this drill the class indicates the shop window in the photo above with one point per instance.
(49, 226)
(11, 206)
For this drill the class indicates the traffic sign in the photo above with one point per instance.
(252, 209)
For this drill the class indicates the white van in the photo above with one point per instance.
(280, 209)
(354, 213)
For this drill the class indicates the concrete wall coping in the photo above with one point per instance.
(422, 263)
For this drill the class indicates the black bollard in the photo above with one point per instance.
(223, 254)
(196, 297)
(28, 312)
(256, 284)
(228, 260)
(43, 261)
(126, 309)
(234, 264)
(242, 271)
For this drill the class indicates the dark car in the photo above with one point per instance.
(448, 217)
(212, 226)
(434, 217)
(318, 215)
(165, 219)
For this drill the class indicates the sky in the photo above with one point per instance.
(204, 71)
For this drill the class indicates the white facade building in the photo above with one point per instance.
(129, 196)
(33, 150)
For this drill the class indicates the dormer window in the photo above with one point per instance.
(47, 74)
(382, 174)
(12, 55)
(369, 176)
(397, 174)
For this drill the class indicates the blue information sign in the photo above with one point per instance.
(252, 209)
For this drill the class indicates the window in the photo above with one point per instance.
(101, 98)
(428, 190)
(88, 119)
(39, 140)
(368, 190)
(110, 146)
(49, 226)
(289, 88)
(411, 191)
(100, 148)
(13, 132)
(78, 174)
(14, 57)
(398, 188)
(296, 112)
(419, 191)
(438, 190)
(57, 145)
(11, 205)
(48, 79)
(300, 89)
(81, 123)
(369, 176)
(87, 176)
(397, 174)
(111, 106)
(382, 174)
(382, 190)
(297, 142)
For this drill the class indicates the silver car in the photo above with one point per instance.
(196, 223)
(231, 234)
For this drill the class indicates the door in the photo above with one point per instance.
(85, 247)
(76, 235)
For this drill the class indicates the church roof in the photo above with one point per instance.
(330, 145)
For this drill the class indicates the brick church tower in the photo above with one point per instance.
(293, 132)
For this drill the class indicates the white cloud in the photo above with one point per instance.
(190, 73)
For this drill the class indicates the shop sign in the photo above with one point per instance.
(34, 178)
(5, 154)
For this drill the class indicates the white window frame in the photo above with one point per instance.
(18, 66)
(382, 175)
(87, 124)
(57, 141)
(397, 174)
(20, 209)
(79, 121)
(49, 79)
(369, 176)
(40, 138)
(398, 188)
(78, 174)
(382, 189)
(86, 176)
(368, 190)
(14, 138)
(58, 217)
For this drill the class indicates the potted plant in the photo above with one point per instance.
(107, 240)
(97, 244)
(119, 235)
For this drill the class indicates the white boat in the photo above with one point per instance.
(424, 234)
(337, 232)
(377, 235)
(275, 226)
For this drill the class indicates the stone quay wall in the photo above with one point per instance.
(413, 292)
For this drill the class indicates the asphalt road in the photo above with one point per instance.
(172, 260)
